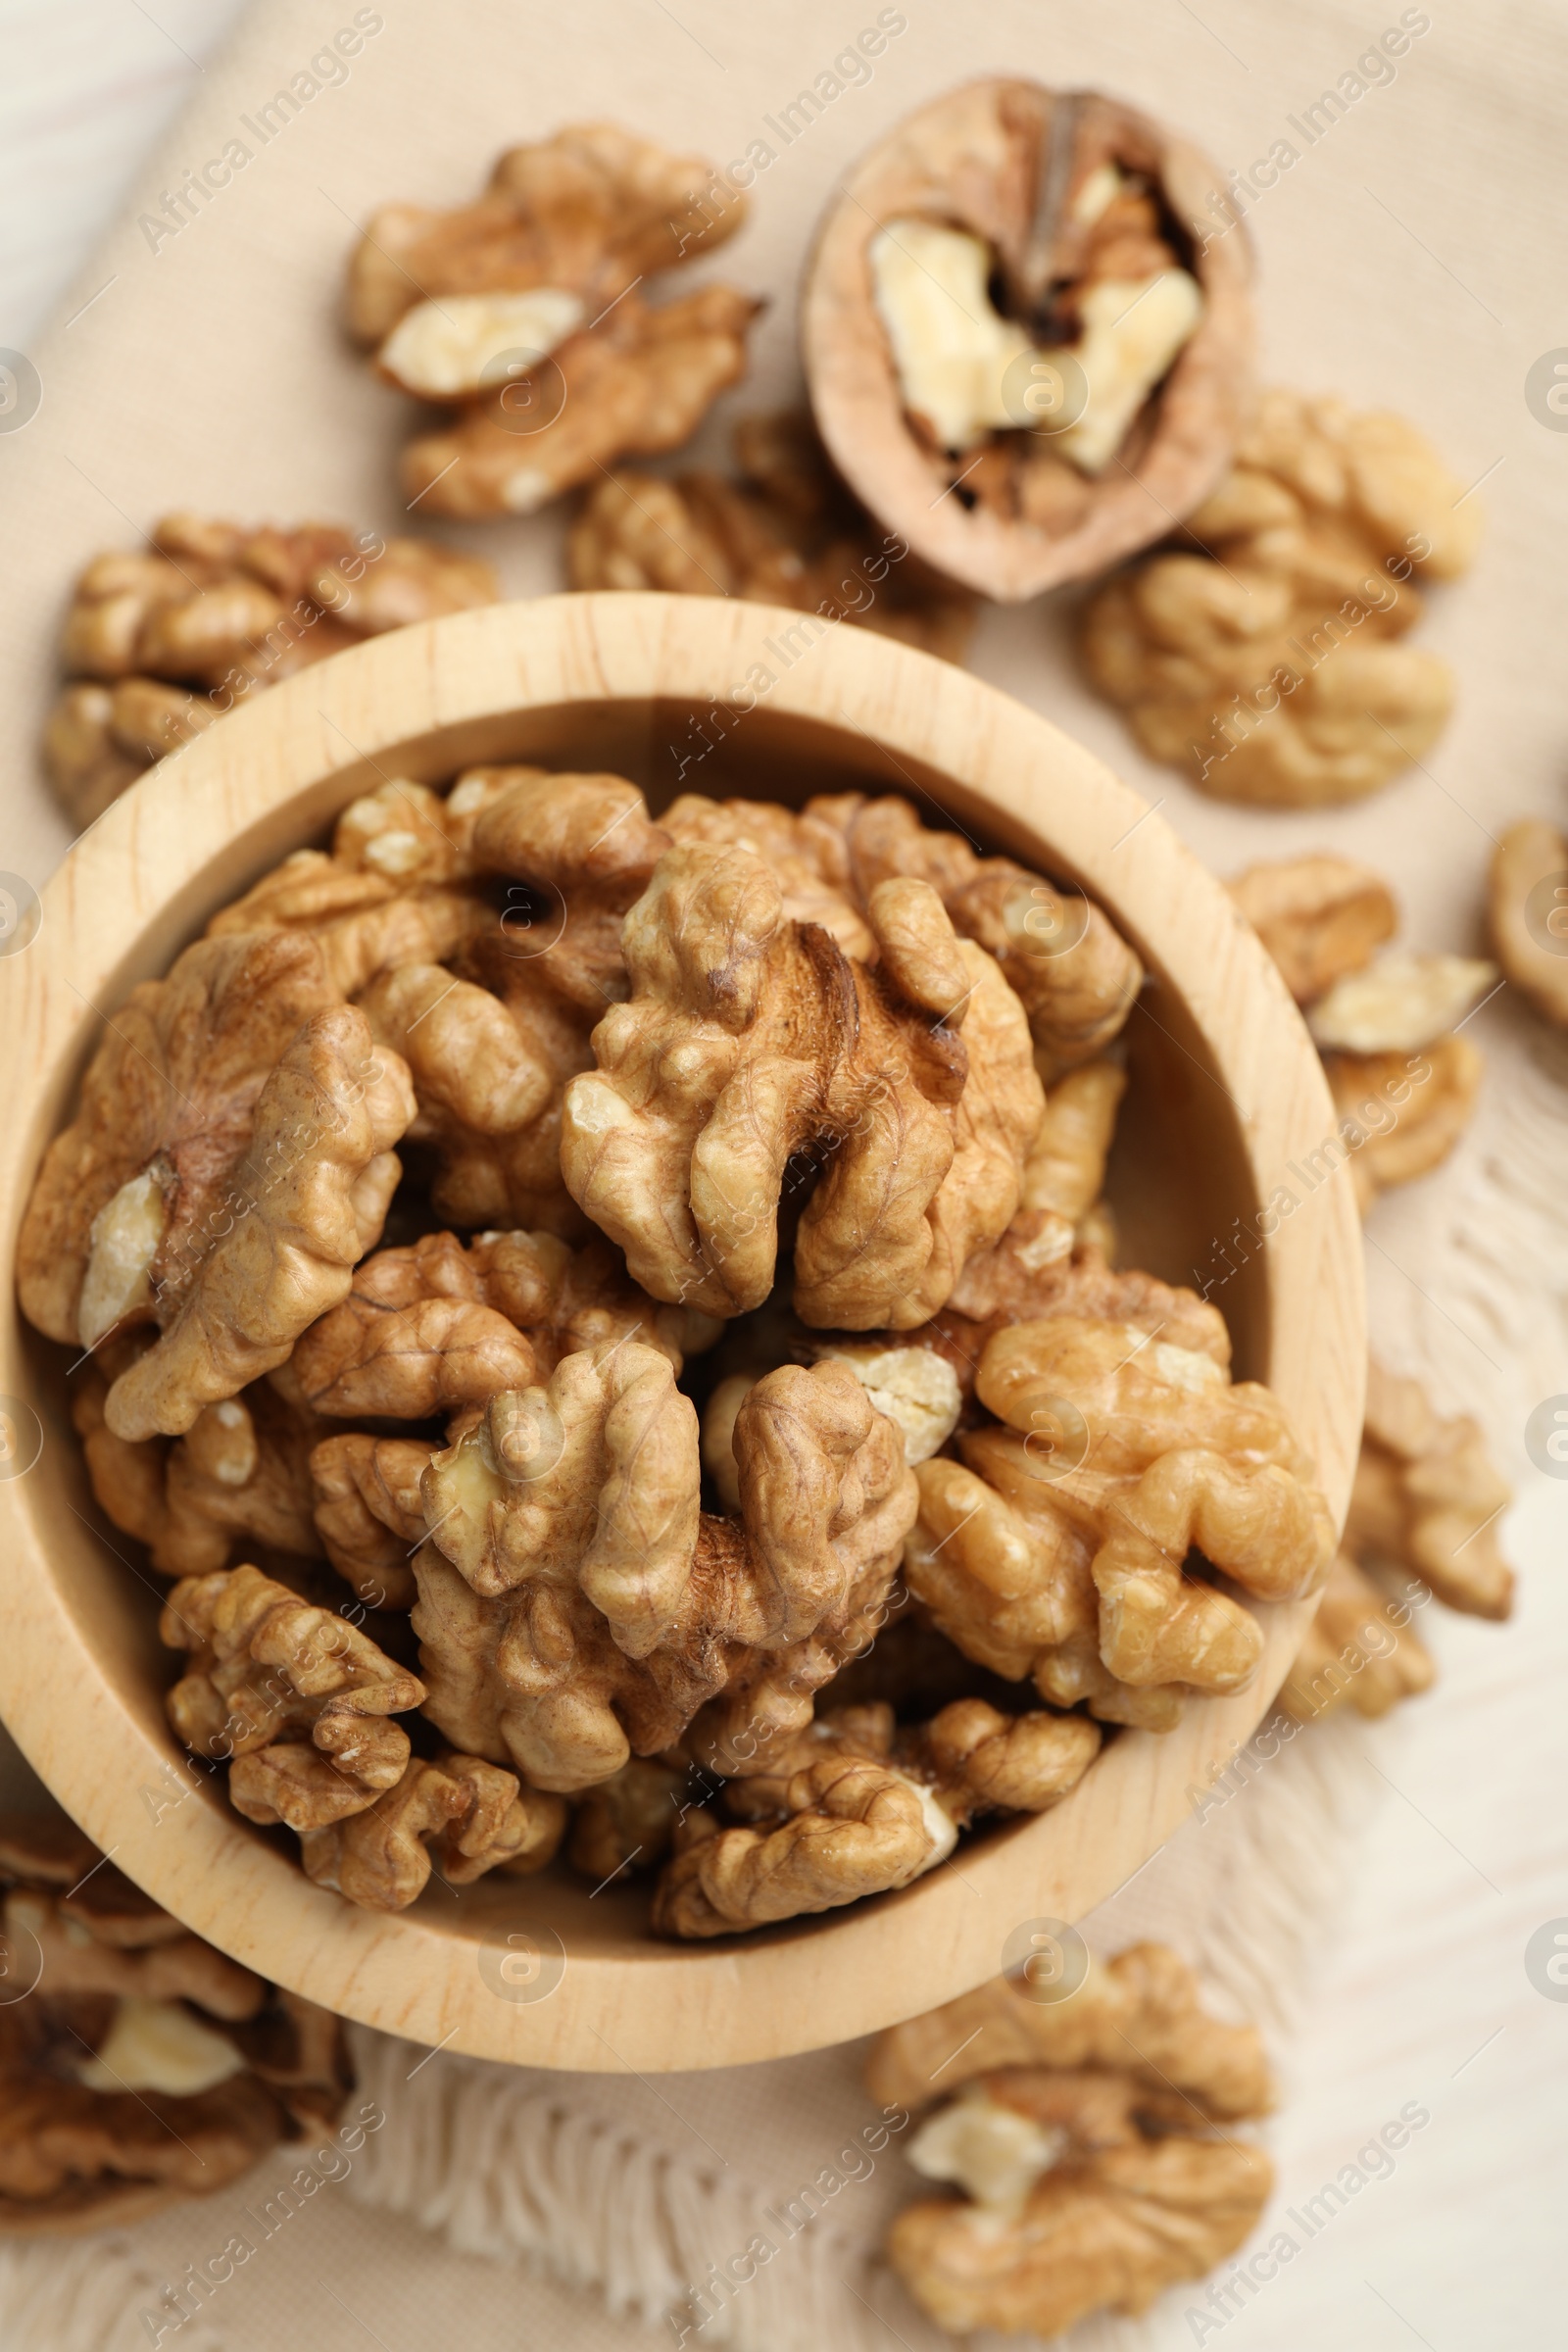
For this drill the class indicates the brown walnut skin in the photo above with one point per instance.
(972, 159)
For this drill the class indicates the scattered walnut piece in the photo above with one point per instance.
(576, 1605)
(1399, 1003)
(1265, 661)
(229, 1162)
(1402, 1113)
(459, 1816)
(144, 2064)
(1527, 904)
(210, 614)
(784, 1045)
(1426, 1498)
(241, 1474)
(787, 532)
(1321, 917)
(530, 324)
(847, 1807)
(1094, 2136)
(297, 1697)
(1360, 1651)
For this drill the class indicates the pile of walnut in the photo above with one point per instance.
(1422, 1524)
(828, 1086)
(137, 2064)
(786, 532)
(158, 644)
(522, 314)
(1260, 649)
(1404, 1080)
(1094, 2140)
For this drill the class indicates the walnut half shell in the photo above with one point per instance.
(1022, 169)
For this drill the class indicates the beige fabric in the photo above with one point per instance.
(1402, 263)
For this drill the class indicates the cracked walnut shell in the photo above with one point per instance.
(749, 1039)
(229, 1163)
(578, 1606)
(1265, 660)
(297, 1697)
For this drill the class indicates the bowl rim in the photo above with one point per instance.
(274, 771)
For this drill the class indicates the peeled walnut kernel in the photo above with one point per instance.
(1360, 1651)
(1427, 1496)
(1399, 1003)
(1403, 1112)
(532, 326)
(1264, 662)
(1527, 904)
(1321, 918)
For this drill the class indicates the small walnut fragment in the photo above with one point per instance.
(229, 1163)
(913, 1079)
(850, 1807)
(1261, 651)
(298, 1698)
(576, 1606)
(144, 2065)
(175, 636)
(785, 532)
(241, 1474)
(1426, 1498)
(522, 312)
(1094, 2140)
(1321, 917)
(1360, 1651)
(1527, 907)
(1402, 1113)
(459, 1816)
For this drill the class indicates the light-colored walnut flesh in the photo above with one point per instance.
(1362, 1650)
(1262, 653)
(1428, 1497)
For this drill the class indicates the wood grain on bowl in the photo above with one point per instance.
(679, 693)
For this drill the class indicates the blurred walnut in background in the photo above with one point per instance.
(162, 642)
(786, 531)
(1404, 1080)
(522, 315)
(1259, 650)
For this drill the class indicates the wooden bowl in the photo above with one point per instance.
(971, 158)
(1227, 1091)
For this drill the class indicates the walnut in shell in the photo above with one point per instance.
(578, 1606)
(1018, 449)
(1261, 651)
(1094, 2140)
(785, 532)
(144, 2065)
(522, 311)
(750, 1039)
(230, 1161)
(164, 641)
